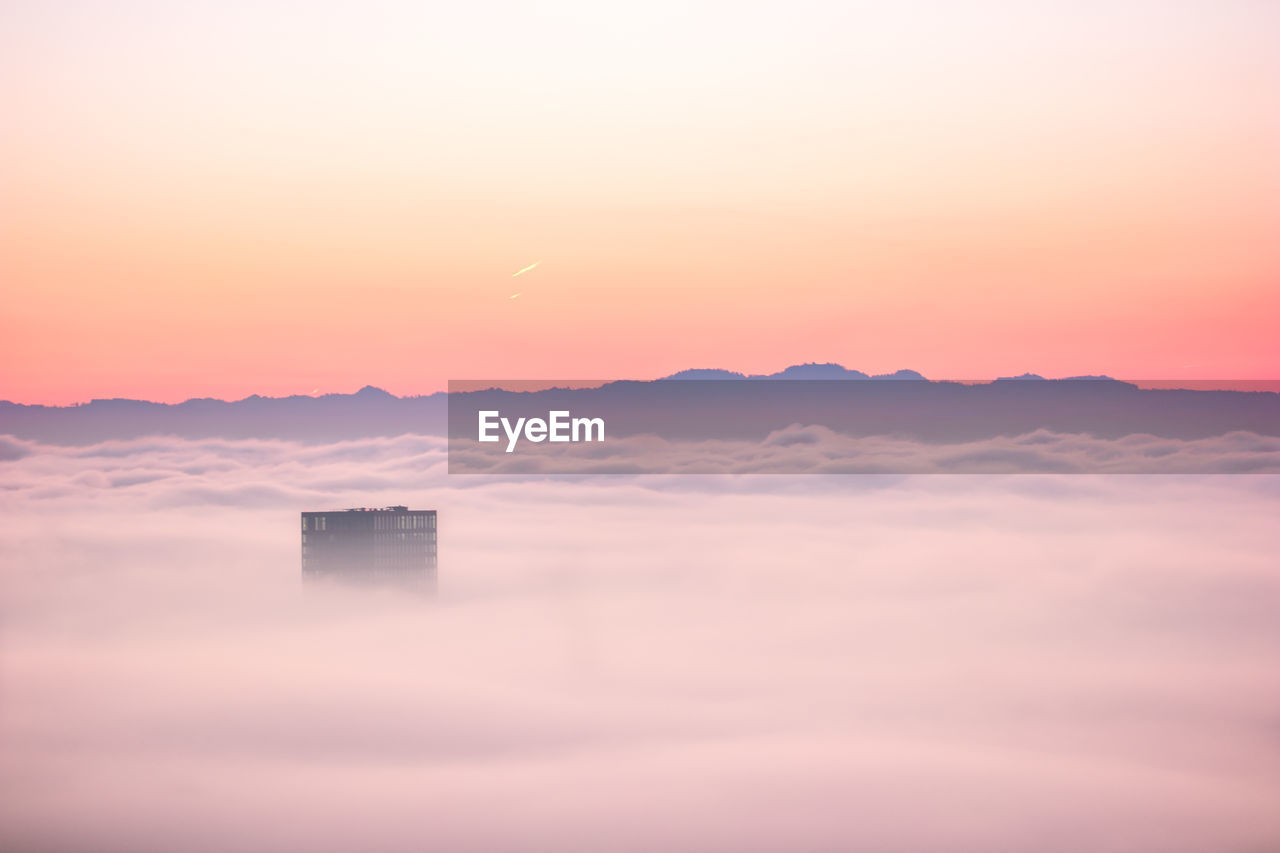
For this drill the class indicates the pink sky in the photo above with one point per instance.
(247, 199)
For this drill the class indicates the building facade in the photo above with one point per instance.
(365, 544)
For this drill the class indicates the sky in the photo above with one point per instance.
(958, 663)
(221, 199)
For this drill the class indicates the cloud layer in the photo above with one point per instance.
(633, 663)
(818, 450)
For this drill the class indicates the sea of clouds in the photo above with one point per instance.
(815, 449)
(665, 662)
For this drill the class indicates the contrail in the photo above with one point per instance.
(526, 269)
(514, 295)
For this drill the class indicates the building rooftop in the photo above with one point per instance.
(397, 508)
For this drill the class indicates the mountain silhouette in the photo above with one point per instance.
(332, 417)
(701, 403)
(808, 371)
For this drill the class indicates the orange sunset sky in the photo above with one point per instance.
(220, 199)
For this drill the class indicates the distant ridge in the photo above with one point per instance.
(932, 409)
(704, 373)
(370, 411)
(1036, 377)
(809, 370)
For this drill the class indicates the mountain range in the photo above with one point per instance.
(696, 403)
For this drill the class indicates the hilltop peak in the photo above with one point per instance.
(809, 370)
(705, 373)
(813, 370)
(369, 391)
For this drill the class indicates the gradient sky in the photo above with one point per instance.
(231, 198)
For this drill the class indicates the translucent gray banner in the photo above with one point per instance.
(892, 426)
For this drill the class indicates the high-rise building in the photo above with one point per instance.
(393, 543)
